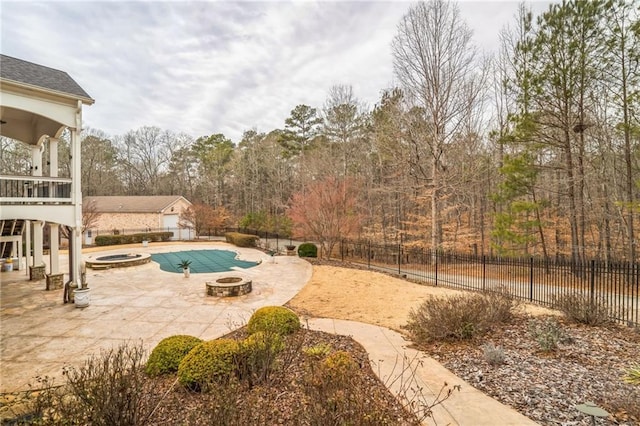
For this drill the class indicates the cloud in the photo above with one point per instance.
(215, 67)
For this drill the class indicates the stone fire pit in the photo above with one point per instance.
(228, 287)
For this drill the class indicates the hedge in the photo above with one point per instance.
(110, 240)
(241, 240)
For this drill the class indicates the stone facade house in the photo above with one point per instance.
(132, 214)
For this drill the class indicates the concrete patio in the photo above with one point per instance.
(40, 334)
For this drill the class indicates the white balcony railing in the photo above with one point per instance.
(34, 189)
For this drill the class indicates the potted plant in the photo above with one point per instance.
(291, 249)
(184, 264)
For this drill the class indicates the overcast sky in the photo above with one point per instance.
(218, 67)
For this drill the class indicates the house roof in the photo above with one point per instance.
(40, 76)
(133, 204)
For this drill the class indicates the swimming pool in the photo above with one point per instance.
(202, 261)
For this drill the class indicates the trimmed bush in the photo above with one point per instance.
(107, 240)
(459, 317)
(166, 356)
(274, 319)
(241, 240)
(208, 363)
(111, 240)
(308, 250)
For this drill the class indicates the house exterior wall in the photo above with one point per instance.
(178, 207)
(125, 221)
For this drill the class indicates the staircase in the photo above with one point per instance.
(9, 228)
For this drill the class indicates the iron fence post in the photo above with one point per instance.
(342, 250)
(369, 254)
(436, 258)
(531, 279)
(592, 280)
(484, 272)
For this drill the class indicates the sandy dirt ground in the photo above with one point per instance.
(369, 297)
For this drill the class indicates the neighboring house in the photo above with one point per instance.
(129, 214)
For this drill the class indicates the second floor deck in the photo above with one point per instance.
(35, 190)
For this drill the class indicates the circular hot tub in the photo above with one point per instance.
(228, 287)
(120, 260)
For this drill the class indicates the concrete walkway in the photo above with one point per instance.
(419, 379)
(39, 334)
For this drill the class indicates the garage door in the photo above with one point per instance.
(170, 223)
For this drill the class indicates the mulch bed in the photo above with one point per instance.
(588, 365)
(287, 398)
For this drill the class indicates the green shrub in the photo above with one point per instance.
(274, 319)
(308, 250)
(241, 240)
(632, 375)
(460, 317)
(582, 309)
(107, 240)
(166, 356)
(547, 333)
(110, 240)
(318, 351)
(257, 356)
(208, 363)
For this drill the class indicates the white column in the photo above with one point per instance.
(36, 170)
(76, 189)
(54, 234)
(53, 157)
(36, 160)
(27, 227)
(38, 226)
(19, 244)
(54, 253)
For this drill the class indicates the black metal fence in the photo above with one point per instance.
(615, 285)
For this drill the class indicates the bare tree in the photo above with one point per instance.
(344, 126)
(90, 217)
(436, 63)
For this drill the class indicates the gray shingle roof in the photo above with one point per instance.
(37, 75)
(132, 204)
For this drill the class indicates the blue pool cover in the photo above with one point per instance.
(202, 261)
